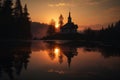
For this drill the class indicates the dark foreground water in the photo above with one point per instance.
(58, 60)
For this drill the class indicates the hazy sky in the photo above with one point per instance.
(84, 12)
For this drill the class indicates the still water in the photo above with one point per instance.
(58, 60)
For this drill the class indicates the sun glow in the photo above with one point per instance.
(56, 26)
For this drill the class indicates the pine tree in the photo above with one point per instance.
(26, 14)
(6, 12)
(7, 7)
(26, 21)
(61, 21)
(0, 4)
(18, 9)
(0, 11)
(0, 7)
(26, 10)
(6, 18)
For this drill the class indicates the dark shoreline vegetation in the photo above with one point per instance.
(110, 34)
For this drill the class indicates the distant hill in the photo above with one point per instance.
(38, 29)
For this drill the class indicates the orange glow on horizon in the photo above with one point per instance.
(83, 12)
(56, 22)
(57, 26)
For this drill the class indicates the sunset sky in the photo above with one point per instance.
(84, 12)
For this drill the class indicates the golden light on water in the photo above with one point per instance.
(57, 51)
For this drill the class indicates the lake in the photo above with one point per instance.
(58, 60)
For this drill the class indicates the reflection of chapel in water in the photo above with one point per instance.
(68, 52)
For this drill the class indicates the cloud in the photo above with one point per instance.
(112, 13)
(77, 3)
(113, 10)
(92, 2)
(60, 4)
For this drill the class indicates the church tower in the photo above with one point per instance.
(69, 18)
(69, 27)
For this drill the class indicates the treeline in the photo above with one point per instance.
(111, 33)
(14, 20)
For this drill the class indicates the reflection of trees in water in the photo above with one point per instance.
(51, 51)
(14, 58)
(61, 58)
(106, 51)
(67, 51)
(52, 55)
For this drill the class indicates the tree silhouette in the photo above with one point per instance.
(51, 29)
(7, 7)
(0, 11)
(111, 33)
(14, 20)
(61, 21)
(26, 14)
(18, 9)
(0, 4)
(6, 12)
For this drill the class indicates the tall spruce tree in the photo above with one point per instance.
(7, 7)
(0, 11)
(6, 18)
(18, 18)
(18, 9)
(0, 7)
(7, 12)
(26, 14)
(27, 29)
(61, 21)
(0, 4)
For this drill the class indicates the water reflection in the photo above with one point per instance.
(76, 60)
(14, 57)
(58, 49)
(85, 60)
(106, 50)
